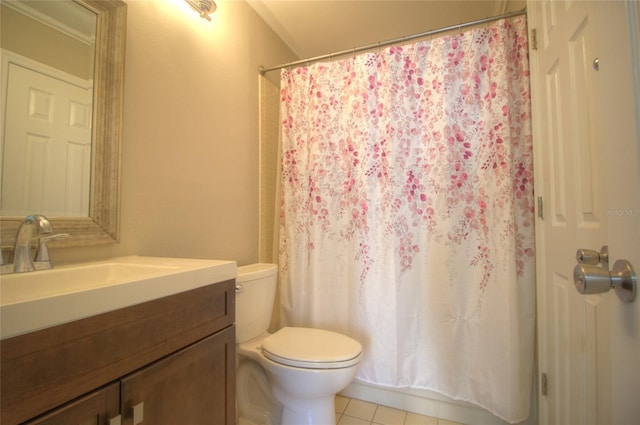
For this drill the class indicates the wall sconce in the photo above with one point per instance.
(203, 7)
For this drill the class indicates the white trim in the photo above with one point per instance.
(51, 22)
(8, 57)
(263, 11)
(426, 403)
(500, 7)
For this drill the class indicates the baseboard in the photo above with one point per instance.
(426, 403)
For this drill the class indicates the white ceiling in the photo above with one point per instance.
(317, 27)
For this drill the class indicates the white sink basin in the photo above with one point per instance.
(37, 300)
(30, 286)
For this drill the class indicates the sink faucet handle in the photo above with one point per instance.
(6, 265)
(42, 255)
(5, 254)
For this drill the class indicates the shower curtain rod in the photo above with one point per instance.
(262, 70)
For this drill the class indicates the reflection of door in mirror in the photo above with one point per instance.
(47, 64)
(47, 146)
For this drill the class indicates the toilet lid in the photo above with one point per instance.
(311, 348)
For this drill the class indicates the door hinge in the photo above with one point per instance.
(540, 208)
(533, 39)
(544, 388)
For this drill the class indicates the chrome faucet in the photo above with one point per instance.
(31, 226)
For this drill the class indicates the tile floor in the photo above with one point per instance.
(350, 411)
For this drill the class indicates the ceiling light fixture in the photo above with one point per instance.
(203, 7)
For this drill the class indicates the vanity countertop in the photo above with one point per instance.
(38, 300)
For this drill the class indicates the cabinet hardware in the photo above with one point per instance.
(138, 413)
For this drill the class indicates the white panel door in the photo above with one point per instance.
(47, 146)
(586, 154)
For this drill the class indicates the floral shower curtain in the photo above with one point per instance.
(407, 212)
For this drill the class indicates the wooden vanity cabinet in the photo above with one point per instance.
(166, 361)
(189, 387)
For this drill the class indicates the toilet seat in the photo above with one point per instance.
(311, 348)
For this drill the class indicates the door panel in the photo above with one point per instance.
(584, 119)
(47, 146)
(572, 193)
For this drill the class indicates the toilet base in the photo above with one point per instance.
(301, 411)
(255, 403)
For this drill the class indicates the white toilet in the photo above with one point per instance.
(305, 368)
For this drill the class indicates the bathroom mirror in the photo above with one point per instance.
(100, 223)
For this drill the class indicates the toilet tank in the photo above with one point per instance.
(255, 292)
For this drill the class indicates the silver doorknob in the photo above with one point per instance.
(590, 279)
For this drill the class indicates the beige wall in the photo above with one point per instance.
(190, 133)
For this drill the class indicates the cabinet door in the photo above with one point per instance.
(96, 408)
(195, 385)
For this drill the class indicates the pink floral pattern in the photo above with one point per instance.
(407, 212)
(433, 136)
